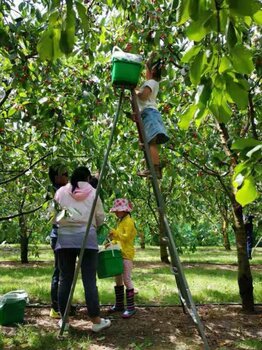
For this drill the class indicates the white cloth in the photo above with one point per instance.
(151, 101)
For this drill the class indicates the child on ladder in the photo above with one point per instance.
(124, 234)
(153, 125)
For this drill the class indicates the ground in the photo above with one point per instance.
(160, 328)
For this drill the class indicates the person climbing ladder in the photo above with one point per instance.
(153, 125)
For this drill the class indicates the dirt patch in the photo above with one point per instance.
(158, 328)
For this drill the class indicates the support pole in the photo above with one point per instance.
(69, 301)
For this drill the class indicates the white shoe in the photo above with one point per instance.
(104, 323)
(66, 325)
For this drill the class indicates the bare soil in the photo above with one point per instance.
(159, 328)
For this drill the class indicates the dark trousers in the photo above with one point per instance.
(67, 263)
(54, 284)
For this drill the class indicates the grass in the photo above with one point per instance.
(208, 280)
(29, 337)
(211, 274)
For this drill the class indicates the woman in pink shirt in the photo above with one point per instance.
(76, 200)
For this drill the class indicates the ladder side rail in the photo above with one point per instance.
(171, 244)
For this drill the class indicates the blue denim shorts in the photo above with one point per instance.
(154, 127)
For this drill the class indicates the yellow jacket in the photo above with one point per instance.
(125, 234)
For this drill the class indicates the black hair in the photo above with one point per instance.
(156, 68)
(56, 169)
(93, 181)
(81, 173)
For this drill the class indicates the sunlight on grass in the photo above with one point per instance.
(29, 337)
(250, 344)
(210, 273)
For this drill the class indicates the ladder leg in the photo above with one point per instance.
(65, 317)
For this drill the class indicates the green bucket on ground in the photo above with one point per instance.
(12, 307)
(125, 72)
(110, 263)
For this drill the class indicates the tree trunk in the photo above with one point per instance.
(163, 244)
(142, 240)
(23, 240)
(245, 280)
(226, 242)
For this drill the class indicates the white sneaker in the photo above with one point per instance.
(104, 323)
(66, 325)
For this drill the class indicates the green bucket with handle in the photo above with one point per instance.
(12, 307)
(126, 67)
(110, 262)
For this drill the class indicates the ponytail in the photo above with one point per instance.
(81, 173)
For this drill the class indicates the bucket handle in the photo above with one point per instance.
(116, 48)
(110, 242)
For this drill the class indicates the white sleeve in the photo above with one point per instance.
(99, 213)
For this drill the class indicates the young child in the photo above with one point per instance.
(154, 128)
(124, 234)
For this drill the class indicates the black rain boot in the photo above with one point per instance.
(119, 304)
(130, 309)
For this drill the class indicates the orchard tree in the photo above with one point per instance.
(57, 99)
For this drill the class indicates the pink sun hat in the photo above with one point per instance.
(122, 204)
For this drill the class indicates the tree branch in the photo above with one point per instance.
(7, 93)
(24, 171)
(21, 213)
(252, 113)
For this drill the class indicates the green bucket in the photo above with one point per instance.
(110, 263)
(12, 307)
(126, 67)
(125, 72)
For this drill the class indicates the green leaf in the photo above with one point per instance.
(197, 30)
(82, 13)
(55, 3)
(247, 193)
(239, 168)
(200, 115)
(257, 17)
(102, 37)
(45, 45)
(11, 111)
(244, 7)
(197, 67)
(218, 106)
(225, 65)
(186, 117)
(238, 94)
(241, 144)
(182, 12)
(193, 51)
(203, 93)
(241, 59)
(53, 18)
(231, 36)
(68, 34)
(193, 9)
